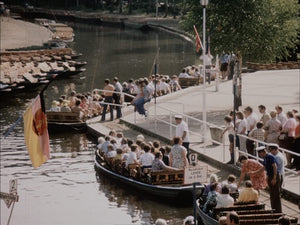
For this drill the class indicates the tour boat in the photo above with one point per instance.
(174, 192)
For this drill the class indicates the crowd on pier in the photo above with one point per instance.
(274, 127)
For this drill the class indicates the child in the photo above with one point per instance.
(258, 132)
(111, 151)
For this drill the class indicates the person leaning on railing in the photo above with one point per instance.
(297, 143)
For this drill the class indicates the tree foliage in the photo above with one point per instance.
(262, 30)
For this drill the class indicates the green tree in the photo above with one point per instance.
(262, 30)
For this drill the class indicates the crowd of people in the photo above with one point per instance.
(275, 127)
(146, 155)
(87, 104)
(110, 99)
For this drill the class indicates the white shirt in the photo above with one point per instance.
(184, 75)
(111, 154)
(282, 118)
(131, 158)
(251, 121)
(242, 125)
(180, 129)
(224, 200)
(147, 159)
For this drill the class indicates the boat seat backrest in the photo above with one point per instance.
(239, 208)
(162, 177)
(260, 216)
(66, 117)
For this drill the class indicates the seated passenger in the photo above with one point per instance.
(231, 182)
(101, 140)
(77, 108)
(65, 106)
(158, 164)
(224, 199)
(105, 144)
(119, 155)
(111, 151)
(211, 200)
(119, 138)
(223, 220)
(55, 107)
(212, 179)
(232, 218)
(146, 158)
(248, 194)
(184, 74)
(165, 159)
(132, 159)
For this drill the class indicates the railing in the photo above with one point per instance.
(205, 140)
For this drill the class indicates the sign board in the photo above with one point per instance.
(13, 186)
(193, 159)
(195, 174)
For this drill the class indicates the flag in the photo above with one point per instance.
(36, 132)
(198, 40)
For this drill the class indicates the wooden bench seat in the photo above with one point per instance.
(187, 82)
(260, 216)
(64, 117)
(237, 208)
(170, 177)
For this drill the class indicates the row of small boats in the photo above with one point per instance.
(26, 70)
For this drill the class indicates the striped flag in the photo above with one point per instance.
(198, 40)
(36, 132)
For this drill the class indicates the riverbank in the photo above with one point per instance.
(20, 34)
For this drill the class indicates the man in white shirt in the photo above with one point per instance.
(147, 158)
(280, 115)
(252, 119)
(184, 74)
(132, 158)
(224, 199)
(182, 131)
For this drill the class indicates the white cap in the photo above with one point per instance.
(160, 222)
(178, 117)
(188, 220)
(260, 148)
(273, 145)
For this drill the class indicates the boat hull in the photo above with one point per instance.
(180, 195)
(206, 219)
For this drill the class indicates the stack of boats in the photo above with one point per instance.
(60, 30)
(25, 70)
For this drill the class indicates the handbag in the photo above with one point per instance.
(282, 137)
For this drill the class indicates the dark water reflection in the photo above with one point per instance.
(65, 190)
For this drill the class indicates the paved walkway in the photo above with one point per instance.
(265, 87)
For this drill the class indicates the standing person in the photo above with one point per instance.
(274, 150)
(208, 62)
(224, 65)
(297, 143)
(272, 177)
(272, 128)
(280, 114)
(288, 128)
(178, 154)
(252, 119)
(108, 98)
(231, 62)
(259, 180)
(146, 97)
(258, 133)
(117, 96)
(231, 133)
(242, 130)
(182, 131)
(265, 116)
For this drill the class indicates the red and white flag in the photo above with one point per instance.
(198, 41)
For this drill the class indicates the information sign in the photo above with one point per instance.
(195, 174)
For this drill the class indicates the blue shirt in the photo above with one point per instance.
(268, 162)
(279, 162)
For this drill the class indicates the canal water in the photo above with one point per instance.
(66, 190)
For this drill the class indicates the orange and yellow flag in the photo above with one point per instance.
(36, 133)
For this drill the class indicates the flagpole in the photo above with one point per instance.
(204, 4)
